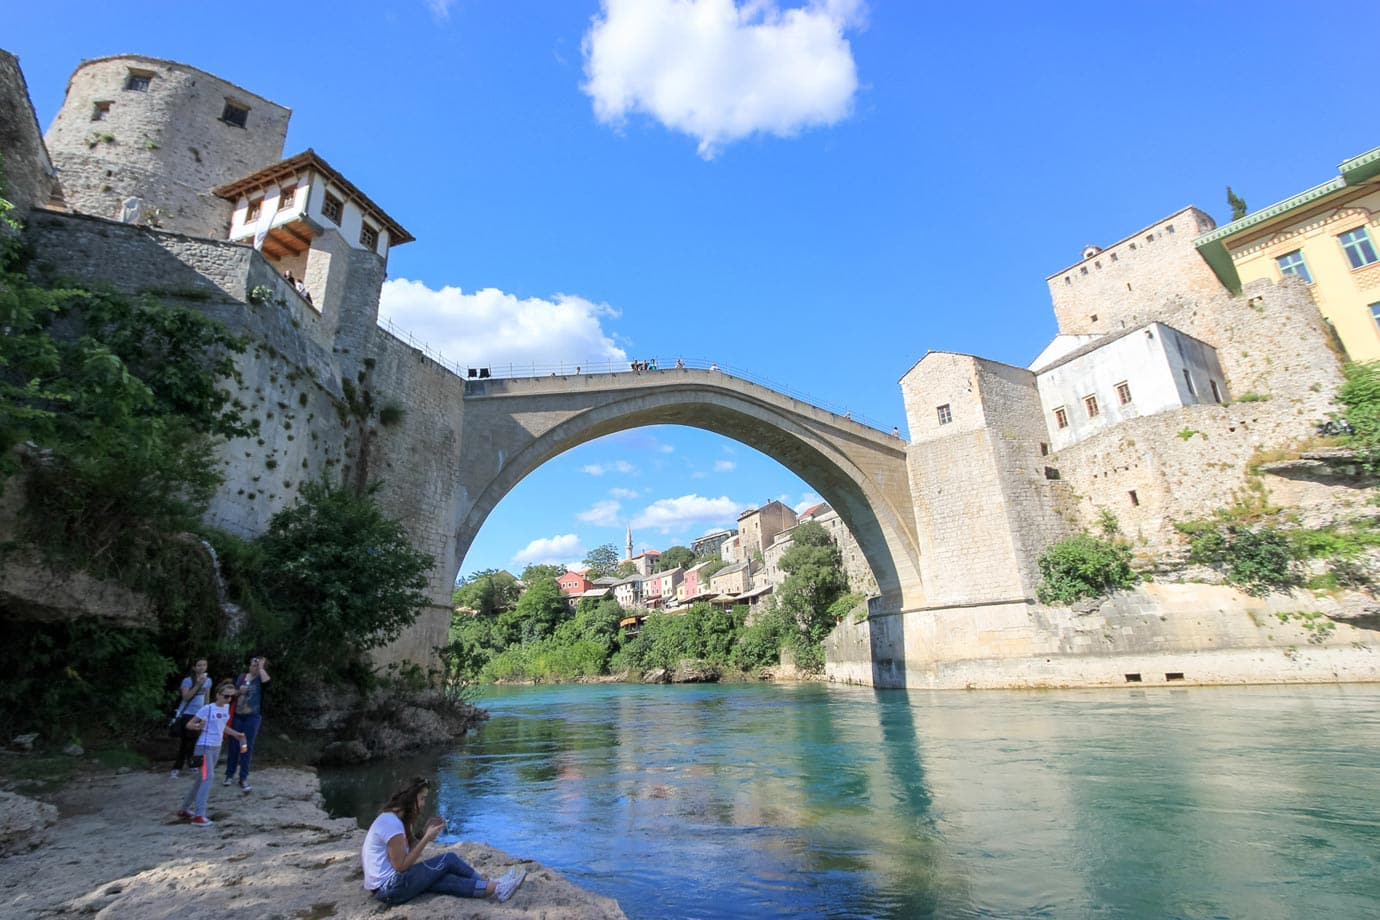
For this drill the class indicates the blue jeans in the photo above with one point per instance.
(249, 724)
(195, 802)
(444, 874)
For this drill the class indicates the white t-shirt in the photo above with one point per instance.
(377, 869)
(215, 718)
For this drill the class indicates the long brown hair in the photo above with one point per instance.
(403, 803)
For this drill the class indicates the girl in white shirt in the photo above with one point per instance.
(393, 866)
(212, 721)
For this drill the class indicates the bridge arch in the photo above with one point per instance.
(513, 426)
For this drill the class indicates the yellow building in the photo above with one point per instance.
(1330, 237)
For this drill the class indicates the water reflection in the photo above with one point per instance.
(812, 800)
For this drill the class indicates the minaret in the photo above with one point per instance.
(629, 556)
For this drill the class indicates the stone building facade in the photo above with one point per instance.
(163, 132)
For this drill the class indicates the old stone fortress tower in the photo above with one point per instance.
(1183, 350)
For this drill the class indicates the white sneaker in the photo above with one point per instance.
(246, 787)
(173, 774)
(508, 883)
(227, 781)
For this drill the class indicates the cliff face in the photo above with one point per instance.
(113, 847)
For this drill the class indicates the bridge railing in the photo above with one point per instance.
(526, 370)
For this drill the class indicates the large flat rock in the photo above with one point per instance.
(118, 851)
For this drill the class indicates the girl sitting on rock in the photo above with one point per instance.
(394, 870)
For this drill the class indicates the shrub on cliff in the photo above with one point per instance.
(344, 575)
(1360, 395)
(1256, 559)
(1084, 566)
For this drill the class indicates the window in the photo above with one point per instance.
(138, 81)
(945, 415)
(1188, 379)
(287, 196)
(1359, 249)
(1044, 449)
(1292, 264)
(101, 110)
(369, 238)
(252, 212)
(1375, 312)
(1123, 392)
(1216, 393)
(1169, 228)
(330, 208)
(235, 114)
(1090, 403)
(1061, 417)
(1135, 499)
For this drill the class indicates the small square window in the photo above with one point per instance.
(1114, 257)
(1044, 449)
(1123, 392)
(235, 114)
(1149, 237)
(138, 81)
(1169, 228)
(1090, 403)
(1133, 247)
(368, 237)
(100, 111)
(1292, 264)
(331, 208)
(287, 196)
(1083, 270)
(1359, 249)
(945, 414)
(1061, 417)
(252, 212)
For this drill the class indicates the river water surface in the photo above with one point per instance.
(824, 801)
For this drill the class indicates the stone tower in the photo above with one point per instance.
(162, 132)
(629, 555)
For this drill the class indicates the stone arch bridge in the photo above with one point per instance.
(514, 425)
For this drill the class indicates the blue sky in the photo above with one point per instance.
(815, 193)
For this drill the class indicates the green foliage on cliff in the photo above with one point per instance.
(1257, 559)
(487, 592)
(344, 575)
(1360, 398)
(1084, 566)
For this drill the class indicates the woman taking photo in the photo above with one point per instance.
(394, 870)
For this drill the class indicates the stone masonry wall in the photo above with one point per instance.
(166, 145)
(1186, 463)
(1127, 283)
(1154, 635)
(292, 384)
(27, 169)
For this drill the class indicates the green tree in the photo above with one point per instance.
(540, 570)
(487, 592)
(676, 557)
(345, 574)
(1237, 204)
(1360, 398)
(814, 580)
(601, 561)
(1084, 566)
(538, 611)
(625, 569)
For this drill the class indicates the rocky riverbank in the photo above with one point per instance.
(108, 844)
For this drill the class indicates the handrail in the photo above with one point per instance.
(533, 370)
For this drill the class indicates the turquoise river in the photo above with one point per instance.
(811, 800)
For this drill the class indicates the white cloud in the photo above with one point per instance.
(724, 466)
(490, 328)
(603, 514)
(669, 514)
(807, 500)
(440, 9)
(720, 71)
(623, 493)
(599, 469)
(550, 550)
